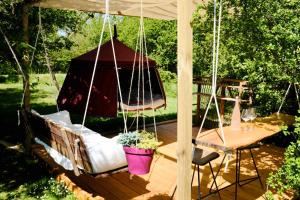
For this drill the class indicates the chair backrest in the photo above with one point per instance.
(62, 139)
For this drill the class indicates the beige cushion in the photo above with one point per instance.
(61, 117)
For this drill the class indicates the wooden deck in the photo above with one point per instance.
(159, 183)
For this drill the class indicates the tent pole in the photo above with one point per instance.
(184, 112)
(25, 58)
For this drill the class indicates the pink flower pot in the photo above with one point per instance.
(139, 160)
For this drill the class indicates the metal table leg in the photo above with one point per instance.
(236, 174)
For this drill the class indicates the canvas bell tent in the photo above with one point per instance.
(105, 100)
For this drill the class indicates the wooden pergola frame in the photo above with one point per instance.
(181, 10)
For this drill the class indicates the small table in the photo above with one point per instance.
(243, 136)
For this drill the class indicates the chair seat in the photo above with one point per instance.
(251, 146)
(202, 157)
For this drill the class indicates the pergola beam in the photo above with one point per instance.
(157, 9)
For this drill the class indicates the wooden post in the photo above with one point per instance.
(184, 113)
(25, 59)
(198, 109)
(28, 131)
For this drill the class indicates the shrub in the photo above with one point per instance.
(288, 175)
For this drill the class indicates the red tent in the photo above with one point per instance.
(105, 99)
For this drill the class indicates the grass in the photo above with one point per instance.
(21, 176)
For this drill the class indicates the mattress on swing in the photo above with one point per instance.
(146, 104)
(105, 154)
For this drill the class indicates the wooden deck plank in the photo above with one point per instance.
(159, 183)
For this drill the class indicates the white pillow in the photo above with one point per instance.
(61, 117)
(105, 154)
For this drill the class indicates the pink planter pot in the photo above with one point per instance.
(139, 160)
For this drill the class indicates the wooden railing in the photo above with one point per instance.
(227, 90)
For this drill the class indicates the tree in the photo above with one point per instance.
(20, 26)
(260, 42)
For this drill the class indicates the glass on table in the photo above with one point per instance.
(246, 117)
(252, 116)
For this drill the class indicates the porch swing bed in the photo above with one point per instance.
(74, 147)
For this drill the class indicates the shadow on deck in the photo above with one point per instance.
(159, 183)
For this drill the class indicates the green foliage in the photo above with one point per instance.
(169, 80)
(142, 140)
(147, 140)
(44, 188)
(161, 39)
(288, 175)
(269, 195)
(259, 43)
(54, 23)
(48, 187)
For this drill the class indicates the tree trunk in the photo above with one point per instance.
(25, 59)
(26, 85)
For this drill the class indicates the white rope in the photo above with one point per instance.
(41, 32)
(286, 93)
(54, 81)
(35, 45)
(94, 69)
(142, 54)
(213, 69)
(216, 46)
(139, 77)
(205, 114)
(144, 45)
(150, 86)
(117, 74)
(218, 43)
(131, 79)
(14, 55)
(141, 43)
(19, 67)
(216, 72)
(143, 72)
(106, 19)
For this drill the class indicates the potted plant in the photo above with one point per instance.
(139, 147)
